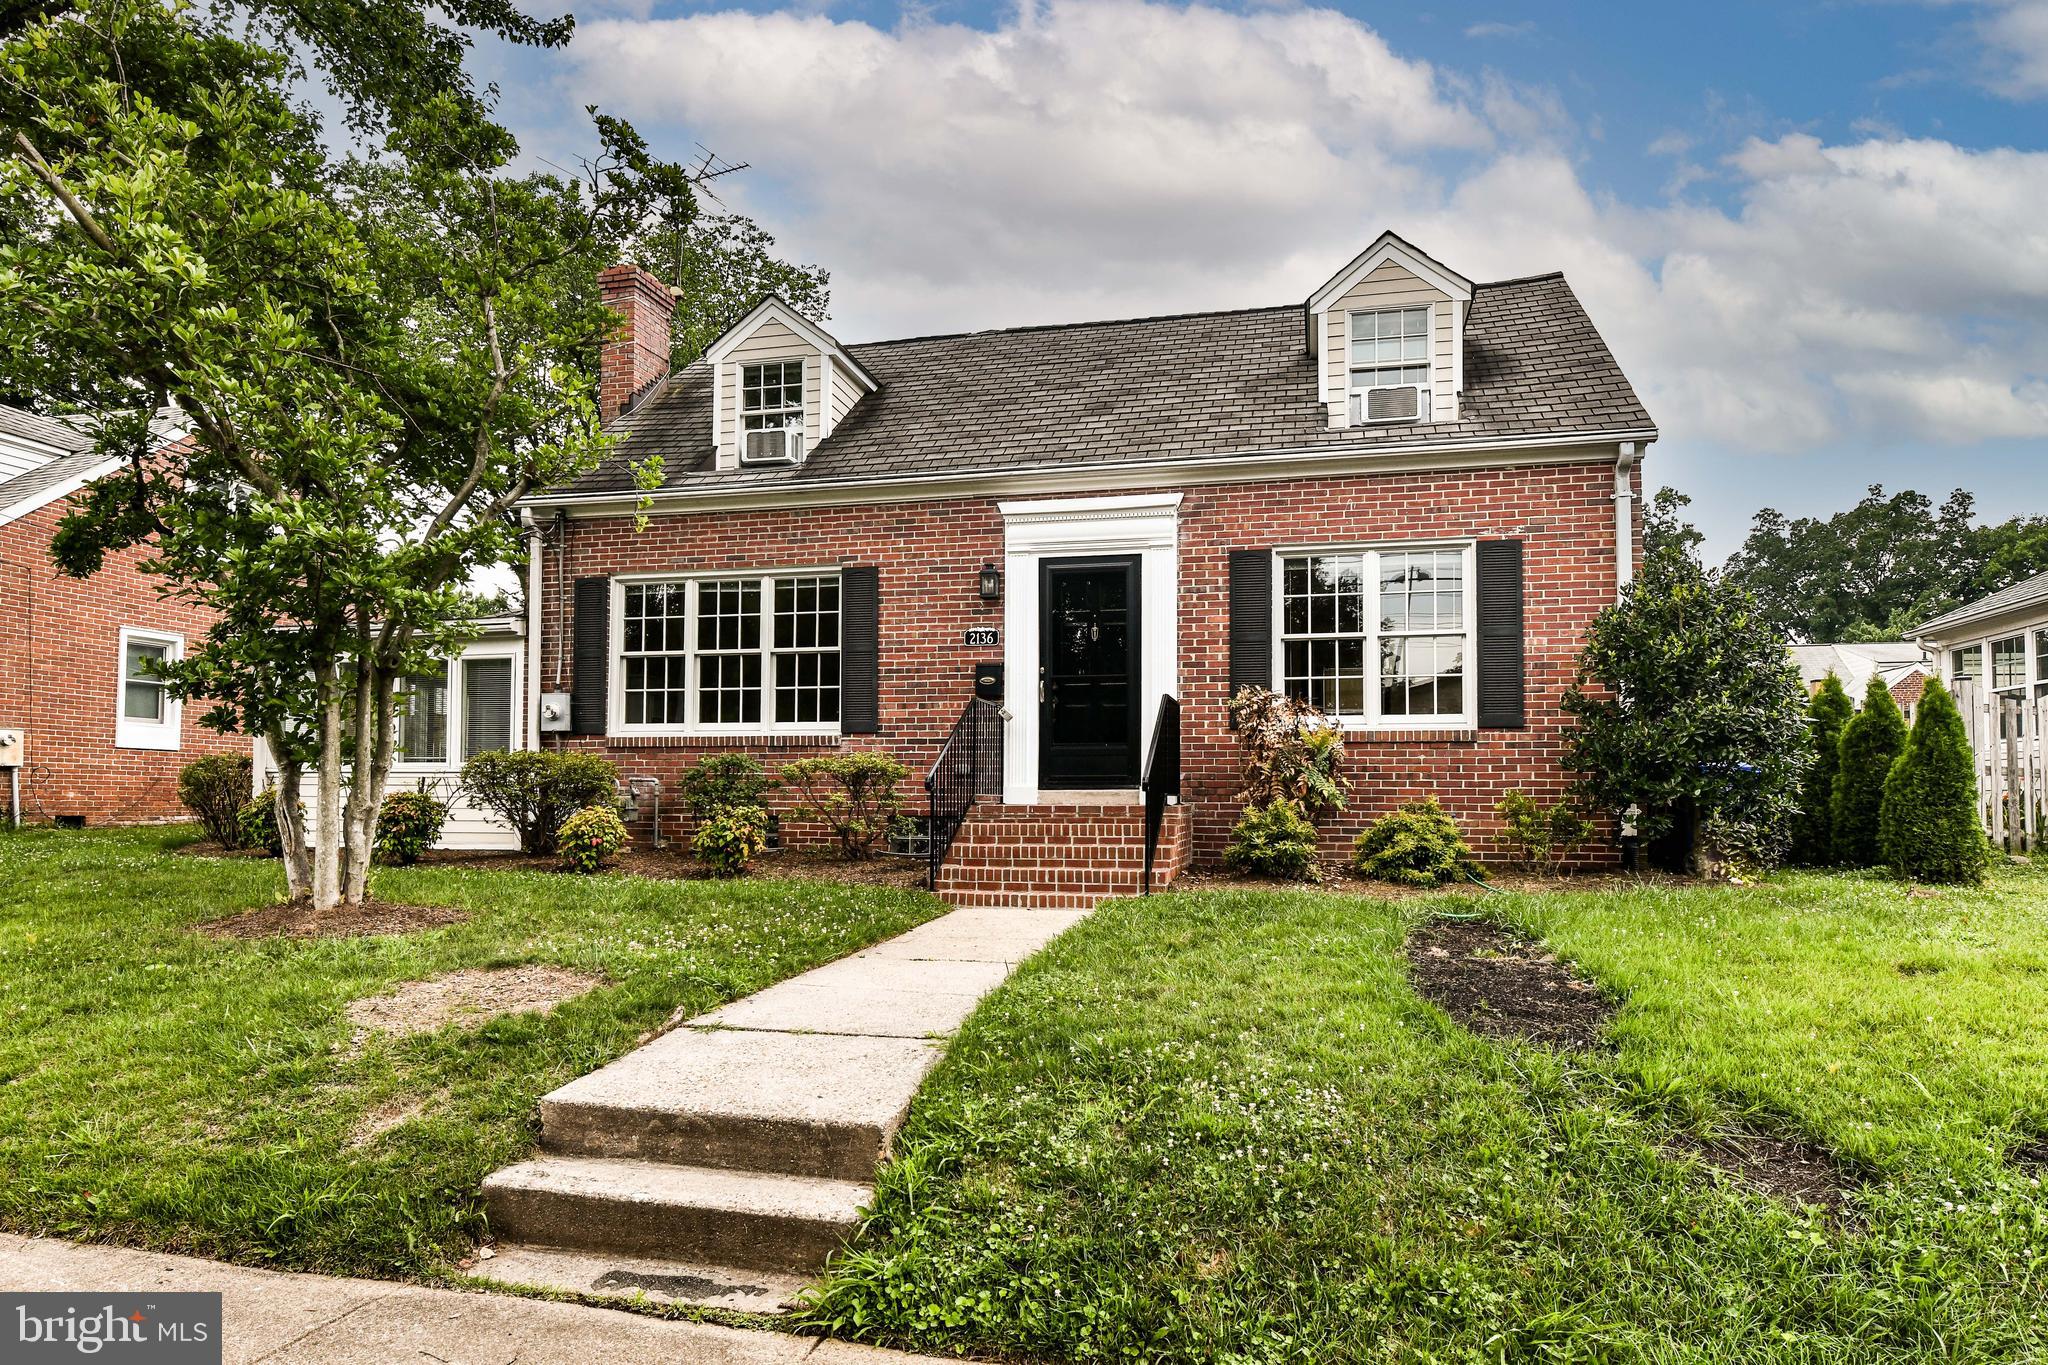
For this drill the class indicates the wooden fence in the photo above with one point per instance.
(2005, 732)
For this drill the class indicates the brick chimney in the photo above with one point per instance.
(636, 354)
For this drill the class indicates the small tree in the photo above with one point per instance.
(856, 796)
(1826, 715)
(1292, 752)
(1871, 743)
(1928, 827)
(534, 792)
(1688, 708)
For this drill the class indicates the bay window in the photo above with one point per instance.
(730, 652)
(1379, 637)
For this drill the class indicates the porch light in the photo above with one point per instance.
(991, 583)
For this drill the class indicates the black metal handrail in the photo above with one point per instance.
(1162, 778)
(970, 764)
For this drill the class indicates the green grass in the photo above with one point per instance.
(1221, 1127)
(165, 1088)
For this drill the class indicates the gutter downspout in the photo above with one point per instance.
(1624, 516)
(534, 548)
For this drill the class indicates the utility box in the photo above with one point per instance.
(554, 713)
(11, 747)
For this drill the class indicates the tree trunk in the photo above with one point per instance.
(327, 816)
(374, 704)
(291, 824)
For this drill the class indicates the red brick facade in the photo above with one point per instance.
(928, 553)
(60, 681)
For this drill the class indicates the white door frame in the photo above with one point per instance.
(1144, 524)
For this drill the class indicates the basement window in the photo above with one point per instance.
(149, 716)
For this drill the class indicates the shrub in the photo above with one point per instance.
(1928, 825)
(1541, 836)
(408, 824)
(1274, 840)
(1826, 715)
(590, 839)
(534, 792)
(1416, 845)
(1871, 743)
(257, 823)
(215, 789)
(729, 838)
(1292, 752)
(854, 795)
(722, 781)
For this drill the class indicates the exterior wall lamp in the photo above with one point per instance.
(991, 583)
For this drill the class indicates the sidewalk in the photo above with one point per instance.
(321, 1320)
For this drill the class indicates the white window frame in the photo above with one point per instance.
(691, 578)
(1354, 392)
(790, 418)
(167, 733)
(1374, 720)
(458, 708)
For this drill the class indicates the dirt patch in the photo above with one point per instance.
(470, 998)
(1783, 1168)
(393, 1113)
(296, 919)
(2031, 1157)
(1501, 985)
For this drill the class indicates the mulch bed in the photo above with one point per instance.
(670, 864)
(1501, 985)
(1783, 1168)
(2031, 1157)
(1346, 880)
(296, 919)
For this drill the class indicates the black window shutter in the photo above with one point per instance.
(591, 656)
(1251, 619)
(860, 676)
(1501, 684)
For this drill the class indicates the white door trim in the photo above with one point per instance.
(1144, 524)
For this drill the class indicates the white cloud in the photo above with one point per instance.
(2016, 34)
(1100, 158)
(1500, 28)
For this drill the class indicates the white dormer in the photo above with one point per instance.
(776, 371)
(1388, 333)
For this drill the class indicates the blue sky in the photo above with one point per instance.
(1815, 234)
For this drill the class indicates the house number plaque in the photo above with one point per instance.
(983, 635)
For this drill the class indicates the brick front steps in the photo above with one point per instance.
(723, 1162)
(1059, 857)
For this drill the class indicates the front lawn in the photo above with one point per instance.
(1222, 1127)
(167, 1088)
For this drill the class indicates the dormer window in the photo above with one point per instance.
(772, 395)
(1390, 365)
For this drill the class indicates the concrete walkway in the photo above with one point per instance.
(320, 1320)
(724, 1161)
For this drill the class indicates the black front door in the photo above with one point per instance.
(1088, 672)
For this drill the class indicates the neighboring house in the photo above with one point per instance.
(103, 739)
(1999, 642)
(468, 706)
(1905, 666)
(1404, 499)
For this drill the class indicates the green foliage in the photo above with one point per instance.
(1274, 840)
(408, 824)
(533, 791)
(729, 838)
(215, 789)
(853, 795)
(722, 781)
(724, 264)
(1417, 844)
(1826, 716)
(256, 823)
(1687, 707)
(590, 839)
(1292, 752)
(1928, 827)
(1541, 836)
(1871, 743)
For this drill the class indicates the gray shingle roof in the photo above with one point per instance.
(49, 431)
(1149, 389)
(2027, 592)
(46, 476)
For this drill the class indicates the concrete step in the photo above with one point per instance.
(640, 1279)
(805, 1104)
(697, 1214)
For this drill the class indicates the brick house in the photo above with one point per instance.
(102, 741)
(1403, 499)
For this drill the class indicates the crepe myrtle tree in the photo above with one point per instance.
(372, 356)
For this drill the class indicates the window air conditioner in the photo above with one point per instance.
(782, 446)
(1389, 403)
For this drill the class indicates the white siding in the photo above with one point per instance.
(1391, 286)
(845, 393)
(18, 457)
(769, 340)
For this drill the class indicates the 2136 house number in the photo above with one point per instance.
(983, 635)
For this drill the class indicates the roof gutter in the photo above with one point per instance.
(1298, 460)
